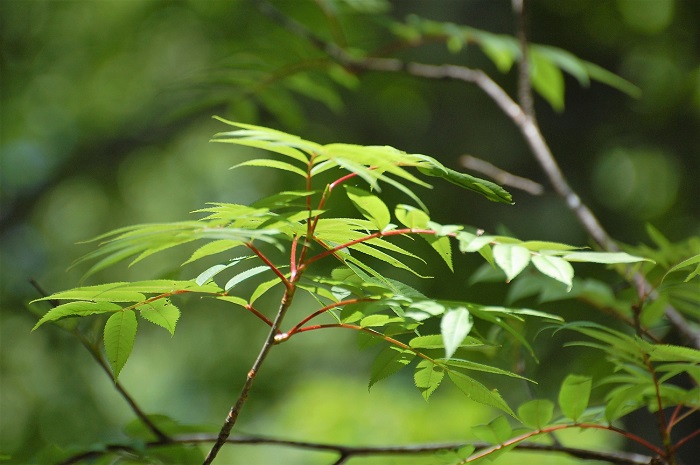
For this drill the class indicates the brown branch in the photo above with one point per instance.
(501, 176)
(347, 452)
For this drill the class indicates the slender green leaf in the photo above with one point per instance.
(455, 325)
(469, 365)
(389, 361)
(512, 259)
(536, 413)
(687, 262)
(411, 217)
(603, 257)
(213, 248)
(119, 336)
(428, 377)
(276, 164)
(547, 79)
(160, 312)
(239, 278)
(478, 392)
(574, 395)
(263, 288)
(435, 341)
(210, 272)
(77, 309)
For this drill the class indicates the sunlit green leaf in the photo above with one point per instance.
(276, 164)
(412, 217)
(76, 309)
(371, 206)
(603, 257)
(239, 278)
(212, 271)
(512, 259)
(469, 365)
(555, 267)
(547, 79)
(119, 336)
(573, 395)
(213, 248)
(428, 377)
(455, 325)
(161, 312)
(496, 432)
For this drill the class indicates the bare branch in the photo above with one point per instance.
(501, 176)
(347, 452)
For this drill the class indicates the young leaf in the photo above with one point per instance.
(496, 432)
(162, 313)
(555, 267)
(390, 360)
(119, 336)
(573, 395)
(213, 248)
(547, 79)
(455, 325)
(428, 377)
(210, 272)
(276, 164)
(371, 207)
(77, 309)
(536, 413)
(511, 258)
(411, 217)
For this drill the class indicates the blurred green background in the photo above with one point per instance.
(106, 108)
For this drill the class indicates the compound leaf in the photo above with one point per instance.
(161, 312)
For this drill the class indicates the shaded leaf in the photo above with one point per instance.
(574, 395)
(536, 413)
(478, 392)
(389, 361)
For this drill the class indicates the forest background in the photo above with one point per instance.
(106, 109)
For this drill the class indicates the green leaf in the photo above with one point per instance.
(77, 309)
(411, 217)
(263, 288)
(690, 261)
(488, 189)
(160, 312)
(371, 206)
(213, 248)
(455, 325)
(603, 257)
(478, 392)
(389, 361)
(276, 164)
(556, 268)
(547, 79)
(435, 341)
(469, 242)
(496, 432)
(428, 377)
(536, 413)
(210, 272)
(574, 395)
(119, 336)
(239, 278)
(511, 258)
(469, 365)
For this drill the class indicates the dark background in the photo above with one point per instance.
(106, 109)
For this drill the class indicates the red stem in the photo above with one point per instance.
(258, 314)
(276, 270)
(685, 439)
(323, 310)
(293, 260)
